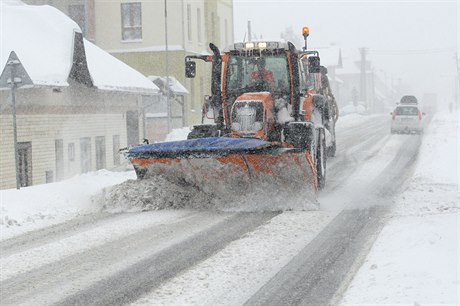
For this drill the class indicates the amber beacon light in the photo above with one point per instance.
(305, 31)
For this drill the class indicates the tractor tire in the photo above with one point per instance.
(300, 135)
(331, 150)
(321, 159)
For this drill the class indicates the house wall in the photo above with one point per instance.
(43, 130)
(148, 62)
(109, 26)
(147, 54)
(44, 116)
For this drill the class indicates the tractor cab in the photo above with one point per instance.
(255, 88)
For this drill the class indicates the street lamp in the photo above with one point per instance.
(14, 81)
(14, 75)
(167, 68)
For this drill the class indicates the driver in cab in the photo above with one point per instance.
(262, 74)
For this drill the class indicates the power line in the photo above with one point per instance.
(412, 52)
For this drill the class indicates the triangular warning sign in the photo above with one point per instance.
(14, 69)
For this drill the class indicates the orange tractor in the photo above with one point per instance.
(262, 128)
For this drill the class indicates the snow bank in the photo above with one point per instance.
(415, 260)
(37, 206)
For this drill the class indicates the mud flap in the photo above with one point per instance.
(300, 134)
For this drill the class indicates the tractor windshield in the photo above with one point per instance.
(264, 73)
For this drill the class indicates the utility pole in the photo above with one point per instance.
(457, 96)
(167, 67)
(363, 85)
(13, 76)
(249, 31)
(13, 64)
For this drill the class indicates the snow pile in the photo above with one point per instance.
(434, 187)
(211, 185)
(178, 134)
(352, 109)
(160, 192)
(414, 261)
(42, 205)
(155, 193)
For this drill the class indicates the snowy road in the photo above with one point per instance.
(208, 258)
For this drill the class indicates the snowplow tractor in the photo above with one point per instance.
(263, 136)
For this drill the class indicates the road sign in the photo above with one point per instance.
(16, 71)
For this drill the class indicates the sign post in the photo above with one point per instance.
(14, 75)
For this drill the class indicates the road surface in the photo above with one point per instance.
(226, 258)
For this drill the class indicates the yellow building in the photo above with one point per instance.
(136, 32)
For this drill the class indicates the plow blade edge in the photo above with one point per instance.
(229, 166)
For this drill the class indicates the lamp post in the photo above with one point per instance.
(13, 82)
(14, 75)
(167, 67)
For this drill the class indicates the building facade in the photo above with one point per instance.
(65, 133)
(139, 32)
(80, 105)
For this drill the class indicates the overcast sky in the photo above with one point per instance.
(412, 40)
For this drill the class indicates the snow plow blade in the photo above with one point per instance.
(229, 166)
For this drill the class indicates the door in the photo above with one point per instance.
(132, 127)
(59, 152)
(100, 152)
(85, 154)
(25, 163)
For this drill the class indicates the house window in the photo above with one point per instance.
(131, 21)
(71, 151)
(201, 88)
(25, 163)
(192, 94)
(198, 22)
(49, 176)
(100, 152)
(59, 155)
(189, 22)
(226, 32)
(213, 27)
(85, 154)
(116, 150)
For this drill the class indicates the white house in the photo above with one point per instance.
(83, 104)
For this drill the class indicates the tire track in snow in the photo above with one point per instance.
(322, 270)
(82, 276)
(234, 274)
(131, 283)
(33, 258)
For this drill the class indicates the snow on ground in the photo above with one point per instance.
(233, 275)
(415, 259)
(39, 206)
(34, 207)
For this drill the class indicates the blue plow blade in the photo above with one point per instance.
(203, 147)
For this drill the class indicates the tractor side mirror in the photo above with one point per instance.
(314, 65)
(190, 69)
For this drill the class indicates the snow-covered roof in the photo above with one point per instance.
(43, 39)
(174, 85)
(109, 73)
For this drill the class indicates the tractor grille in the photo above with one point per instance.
(247, 117)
